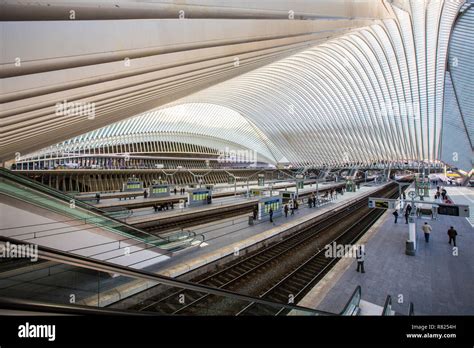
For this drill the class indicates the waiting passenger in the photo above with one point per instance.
(426, 230)
(97, 197)
(310, 202)
(255, 212)
(285, 209)
(175, 191)
(271, 215)
(145, 194)
(292, 207)
(155, 207)
(407, 214)
(395, 213)
(360, 256)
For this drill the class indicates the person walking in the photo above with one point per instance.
(271, 215)
(285, 209)
(360, 256)
(452, 233)
(427, 230)
(395, 213)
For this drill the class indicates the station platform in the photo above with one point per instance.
(435, 280)
(147, 214)
(141, 215)
(228, 237)
(135, 200)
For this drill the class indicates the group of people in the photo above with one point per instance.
(312, 201)
(182, 191)
(406, 213)
(291, 206)
(427, 229)
(164, 206)
(443, 195)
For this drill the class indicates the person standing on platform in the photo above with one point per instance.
(255, 212)
(310, 202)
(360, 256)
(395, 213)
(97, 197)
(271, 215)
(407, 213)
(427, 230)
(285, 209)
(145, 193)
(292, 207)
(452, 233)
(175, 191)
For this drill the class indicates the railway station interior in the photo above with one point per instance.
(237, 158)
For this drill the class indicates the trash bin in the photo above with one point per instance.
(251, 220)
(410, 248)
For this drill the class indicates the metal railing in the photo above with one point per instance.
(352, 306)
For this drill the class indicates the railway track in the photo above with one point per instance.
(282, 272)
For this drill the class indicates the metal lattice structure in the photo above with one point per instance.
(374, 93)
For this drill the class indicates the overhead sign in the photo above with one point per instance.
(157, 190)
(453, 210)
(261, 179)
(199, 196)
(133, 185)
(382, 203)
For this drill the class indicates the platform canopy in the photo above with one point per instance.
(311, 82)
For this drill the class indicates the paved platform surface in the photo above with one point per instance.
(148, 214)
(437, 280)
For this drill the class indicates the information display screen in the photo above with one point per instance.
(382, 205)
(200, 195)
(160, 189)
(133, 185)
(448, 210)
(274, 204)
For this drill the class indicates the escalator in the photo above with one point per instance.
(70, 284)
(32, 192)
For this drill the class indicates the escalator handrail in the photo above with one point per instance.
(27, 305)
(357, 292)
(107, 267)
(387, 306)
(64, 197)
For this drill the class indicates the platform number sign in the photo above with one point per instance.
(261, 180)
